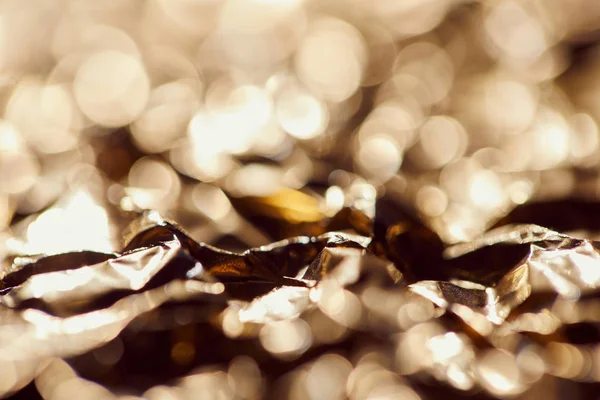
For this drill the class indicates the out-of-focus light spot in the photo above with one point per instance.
(287, 338)
(191, 159)
(55, 372)
(510, 103)
(161, 392)
(195, 18)
(110, 353)
(442, 140)
(371, 380)
(393, 391)
(499, 373)
(585, 137)
(456, 177)
(212, 383)
(417, 311)
(514, 32)
(152, 184)
(18, 171)
(463, 223)
(45, 115)
(543, 322)
(301, 114)
(486, 190)
(211, 201)
(596, 361)
(339, 304)
(564, 360)
(531, 364)
(244, 375)
(495, 104)
(111, 88)
(451, 358)
(425, 71)
(72, 387)
(342, 111)
(412, 347)
(78, 224)
(256, 180)
(272, 142)
(232, 326)
(8, 378)
(334, 199)
(491, 158)
(10, 138)
(324, 329)
(362, 196)
(167, 64)
(170, 108)
(253, 107)
(331, 59)
(550, 136)
(232, 121)
(6, 211)
(445, 346)
(410, 17)
(398, 119)
(379, 157)
(258, 32)
(183, 353)
(479, 322)
(326, 378)
(431, 200)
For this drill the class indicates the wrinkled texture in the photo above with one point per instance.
(289, 302)
(304, 199)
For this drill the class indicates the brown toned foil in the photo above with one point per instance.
(502, 314)
(303, 199)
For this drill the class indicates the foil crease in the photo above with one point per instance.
(303, 199)
(283, 311)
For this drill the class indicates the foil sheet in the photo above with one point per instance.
(167, 314)
(303, 199)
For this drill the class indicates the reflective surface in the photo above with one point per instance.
(306, 199)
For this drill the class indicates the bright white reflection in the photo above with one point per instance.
(78, 224)
(234, 119)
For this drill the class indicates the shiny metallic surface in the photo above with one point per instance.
(305, 199)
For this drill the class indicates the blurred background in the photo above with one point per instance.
(463, 109)
(231, 116)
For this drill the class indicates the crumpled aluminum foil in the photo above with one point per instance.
(169, 315)
(304, 199)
